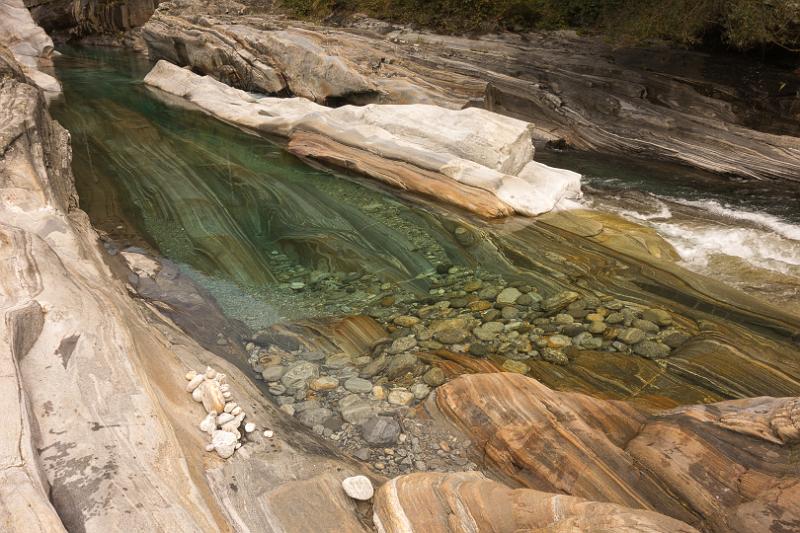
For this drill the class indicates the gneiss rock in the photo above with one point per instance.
(380, 430)
(298, 375)
(358, 487)
(358, 385)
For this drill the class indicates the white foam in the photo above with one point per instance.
(709, 229)
(767, 250)
(788, 230)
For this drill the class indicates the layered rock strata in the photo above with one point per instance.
(456, 156)
(662, 103)
(80, 18)
(104, 436)
(728, 466)
(470, 502)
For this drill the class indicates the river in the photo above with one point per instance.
(273, 239)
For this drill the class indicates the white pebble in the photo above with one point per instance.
(230, 406)
(238, 445)
(190, 375)
(224, 443)
(226, 395)
(269, 433)
(197, 394)
(236, 411)
(224, 418)
(210, 373)
(195, 382)
(209, 447)
(209, 423)
(358, 487)
(224, 387)
(220, 376)
(249, 427)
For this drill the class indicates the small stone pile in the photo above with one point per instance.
(224, 418)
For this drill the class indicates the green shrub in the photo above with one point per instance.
(741, 24)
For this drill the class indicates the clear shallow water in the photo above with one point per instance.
(241, 215)
(743, 232)
(247, 219)
(272, 238)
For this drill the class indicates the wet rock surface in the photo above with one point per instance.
(369, 402)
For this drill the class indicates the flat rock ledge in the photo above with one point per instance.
(473, 158)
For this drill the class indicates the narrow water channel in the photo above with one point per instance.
(274, 239)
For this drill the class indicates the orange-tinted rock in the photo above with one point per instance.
(467, 501)
(729, 466)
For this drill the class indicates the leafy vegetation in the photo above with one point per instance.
(740, 24)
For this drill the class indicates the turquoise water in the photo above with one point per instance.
(248, 220)
(242, 215)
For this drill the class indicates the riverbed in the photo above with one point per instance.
(275, 240)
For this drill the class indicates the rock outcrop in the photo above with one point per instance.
(102, 433)
(728, 466)
(81, 18)
(667, 104)
(470, 502)
(28, 43)
(456, 156)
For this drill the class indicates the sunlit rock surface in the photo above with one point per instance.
(102, 434)
(476, 148)
(470, 502)
(728, 466)
(665, 103)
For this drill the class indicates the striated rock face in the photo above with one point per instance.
(101, 433)
(729, 466)
(667, 104)
(448, 154)
(470, 502)
(93, 16)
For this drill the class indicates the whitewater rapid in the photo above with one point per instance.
(752, 250)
